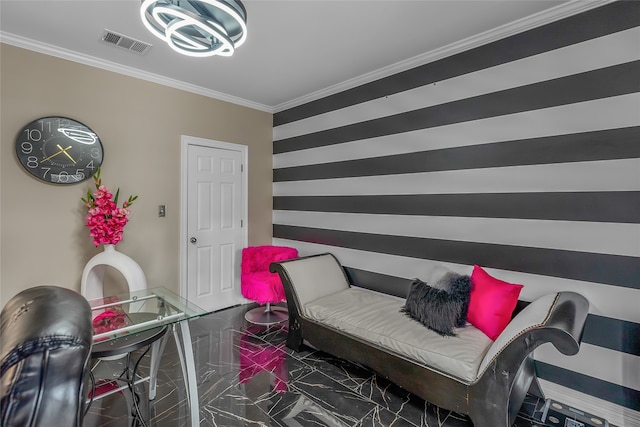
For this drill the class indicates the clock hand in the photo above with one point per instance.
(51, 156)
(65, 152)
(55, 154)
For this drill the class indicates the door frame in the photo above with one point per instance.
(185, 142)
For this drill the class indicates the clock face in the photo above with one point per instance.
(59, 150)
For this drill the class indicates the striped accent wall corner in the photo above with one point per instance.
(521, 155)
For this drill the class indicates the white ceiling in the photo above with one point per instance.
(296, 51)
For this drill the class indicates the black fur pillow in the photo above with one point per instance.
(459, 286)
(440, 309)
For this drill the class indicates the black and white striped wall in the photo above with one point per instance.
(521, 155)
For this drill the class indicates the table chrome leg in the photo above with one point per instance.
(190, 378)
(157, 348)
(180, 348)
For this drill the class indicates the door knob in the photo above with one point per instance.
(193, 240)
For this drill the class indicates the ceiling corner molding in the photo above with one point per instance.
(91, 61)
(553, 14)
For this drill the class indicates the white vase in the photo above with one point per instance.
(91, 285)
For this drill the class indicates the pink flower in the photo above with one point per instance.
(104, 218)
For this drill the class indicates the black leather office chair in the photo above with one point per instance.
(46, 336)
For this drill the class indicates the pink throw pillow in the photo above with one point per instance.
(491, 303)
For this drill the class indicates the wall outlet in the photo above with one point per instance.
(162, 211)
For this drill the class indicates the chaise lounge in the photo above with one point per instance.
(467, 373)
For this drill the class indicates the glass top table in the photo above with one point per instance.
(122, 323)
(135, 312)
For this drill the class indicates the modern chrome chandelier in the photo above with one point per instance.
(197, 28)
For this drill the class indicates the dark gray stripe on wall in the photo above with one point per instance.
(618, 206)
(392, 285)
(606, 332)
(613, 333)
(602, 83)
(604, 390)
(591, 267)
(579, 147)
(598, 22)
(593, 89)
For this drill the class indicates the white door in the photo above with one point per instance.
(215, 231)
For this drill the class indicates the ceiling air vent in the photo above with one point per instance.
(125, 42)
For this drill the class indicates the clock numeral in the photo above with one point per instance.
(95, 154)
(62, 123)
(79, 174)
(45, 172)
(32, 162)
(43, 124)
(90, 165)
(26, 147)
(63, 177)
(33, 134)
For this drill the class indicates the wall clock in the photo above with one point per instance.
(59, 150)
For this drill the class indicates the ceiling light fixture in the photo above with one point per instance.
(197, 28)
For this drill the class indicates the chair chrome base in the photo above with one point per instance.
(267, 315)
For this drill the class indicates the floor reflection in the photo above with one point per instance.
(247, 377)
(258, 356)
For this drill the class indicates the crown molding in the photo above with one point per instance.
(556, 13)
(573, 7)
(92, 61)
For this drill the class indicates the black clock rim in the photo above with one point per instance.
(39, 178)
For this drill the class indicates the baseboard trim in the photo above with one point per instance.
(615, 414)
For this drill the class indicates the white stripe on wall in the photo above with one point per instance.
(624, 306)
(565, 119)
(598, 237)
(392, 265)
(574, 59)
(620, 239)
(610, 175)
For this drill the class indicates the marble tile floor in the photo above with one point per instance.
(247, 377)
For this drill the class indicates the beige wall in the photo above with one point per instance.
(43, 238)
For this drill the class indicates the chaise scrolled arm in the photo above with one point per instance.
(491, 396)
(508, 367)
(46, 335)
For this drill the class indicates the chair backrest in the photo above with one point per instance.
(45, 352)
(258, 258)
(314, 277)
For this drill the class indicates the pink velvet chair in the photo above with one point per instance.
(261, 286)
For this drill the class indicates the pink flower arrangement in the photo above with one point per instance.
(104, 218)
